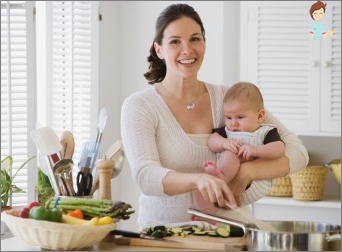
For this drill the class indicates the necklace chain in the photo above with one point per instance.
(190, 105)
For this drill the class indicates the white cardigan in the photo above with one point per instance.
(154, 144)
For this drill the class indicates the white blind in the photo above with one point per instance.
(73, 44)
(18, 90)
(70, 87)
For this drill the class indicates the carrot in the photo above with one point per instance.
(76, 213)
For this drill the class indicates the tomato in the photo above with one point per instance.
(76, 213)
(33, 203)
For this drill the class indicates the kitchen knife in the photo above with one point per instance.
(131, 234)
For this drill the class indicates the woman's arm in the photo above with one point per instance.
(296, 158)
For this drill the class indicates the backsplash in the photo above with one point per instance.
(323, 150)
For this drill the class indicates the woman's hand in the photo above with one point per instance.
(215, 190)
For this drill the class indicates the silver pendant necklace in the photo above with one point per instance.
(189, 106)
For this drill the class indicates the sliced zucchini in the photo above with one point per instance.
(223, 232)
(157, 234)
(200, 233)
(235, 231)
(176, 230)
(212, 233)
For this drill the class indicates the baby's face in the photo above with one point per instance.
(241, 117)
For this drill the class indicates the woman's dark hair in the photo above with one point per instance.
(157, 68)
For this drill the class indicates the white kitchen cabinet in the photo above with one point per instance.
(299, 77)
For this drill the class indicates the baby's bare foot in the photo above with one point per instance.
(211, 168)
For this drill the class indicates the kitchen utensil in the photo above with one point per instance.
(104, 168)
(100, 127)
(290, 235)
(115, 153)
(49, 147)
(84, 182)
(48, 144)
(126, 233)
(84, 178)
(68, 143)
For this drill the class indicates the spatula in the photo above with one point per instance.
(49, 146)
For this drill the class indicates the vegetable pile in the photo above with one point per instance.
(77, 211)
(94, 207)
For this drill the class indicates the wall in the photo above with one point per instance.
(126, 34)
(323, 150)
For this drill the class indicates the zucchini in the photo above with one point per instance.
(235, 231)
(157, 234)
(212, 233)
(200, 233)
(222, 232)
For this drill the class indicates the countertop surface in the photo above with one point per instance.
(17, 244)
(112, 243)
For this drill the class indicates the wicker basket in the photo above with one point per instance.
(281, 187)
(53, 235)
(308, 184)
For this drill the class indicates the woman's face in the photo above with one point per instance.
(318, 14)
(183, 48)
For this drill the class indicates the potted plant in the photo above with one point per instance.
(7, 186)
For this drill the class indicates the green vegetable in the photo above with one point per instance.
(46, 213)
(95, 207)
(44, 188)
(157, 234)
(223, 232)
(235, 231)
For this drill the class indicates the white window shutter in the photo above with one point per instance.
(73, 60)
(18, 91)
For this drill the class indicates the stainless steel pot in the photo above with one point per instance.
(295, 236)
(289, 235)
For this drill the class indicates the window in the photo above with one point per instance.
(18, 108)
(60, 91)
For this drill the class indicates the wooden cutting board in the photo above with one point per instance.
(189, 242)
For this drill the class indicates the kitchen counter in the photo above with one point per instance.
(112, 243)
(327, 210)
(18, 244)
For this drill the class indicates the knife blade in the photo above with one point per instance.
(131, 234)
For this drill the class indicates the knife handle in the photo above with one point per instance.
(126, 233)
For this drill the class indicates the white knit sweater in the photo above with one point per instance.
(155, 144)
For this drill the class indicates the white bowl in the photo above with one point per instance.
(53, 235)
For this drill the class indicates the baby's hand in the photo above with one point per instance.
(248, 152)
(232, 145)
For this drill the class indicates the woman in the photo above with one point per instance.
(165, 130)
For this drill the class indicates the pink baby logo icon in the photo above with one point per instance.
(318, 29)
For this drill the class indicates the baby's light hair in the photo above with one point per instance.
(245, 92)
